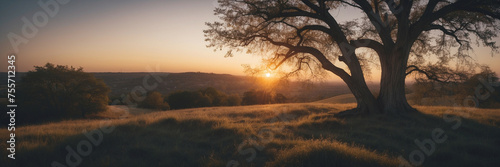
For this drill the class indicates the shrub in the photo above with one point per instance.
(154, 100)
(233, 100)
(54, 92)
(471, 86)
(217, 98)
(262, 97)
(202, 98)
(280, 98)
(188, 99)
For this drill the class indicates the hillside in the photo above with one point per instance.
(264, 135)
(340, 99)
(349, 98)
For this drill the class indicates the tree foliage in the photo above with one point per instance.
(233, 100)
(254, 97)
(207, 97)
(405, 36)
(470, 85)
(217, 98)
(53, 92)
(187, 99)
(154, 100)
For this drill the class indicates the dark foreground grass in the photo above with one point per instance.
(267, 135)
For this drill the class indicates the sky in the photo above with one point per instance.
(121, 36)
(131, 36)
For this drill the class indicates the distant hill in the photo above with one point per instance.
(123, 83)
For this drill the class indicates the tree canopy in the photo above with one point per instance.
(154, 100)
(206, 97)
(405, 36)
(53, 92)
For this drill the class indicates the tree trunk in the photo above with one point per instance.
(366, 102)
(392, 97)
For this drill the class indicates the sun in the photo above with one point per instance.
(268, 75)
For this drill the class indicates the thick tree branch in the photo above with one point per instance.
(350, 4)
(337, 34)
(325, 63)
(369, 43)
(317, 28)
(381, 26)
(429, 16)
(402, 14)
(430, 7)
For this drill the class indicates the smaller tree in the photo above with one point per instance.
(54, 91)
(250, 98)
(487, 96)
(217, 98)
(280, 98)
(207, 97)
(188, 99)
(233, 100)
(262, 97)
(154, 100)
(458, 86)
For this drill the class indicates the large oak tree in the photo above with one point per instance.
(405, 35)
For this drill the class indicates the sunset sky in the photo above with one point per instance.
(130, 35)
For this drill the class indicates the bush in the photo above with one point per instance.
(217, 98)
(55, 92)
(233, 100)
(280, 98)
(254, 97)
(154, 100)
(460, 91)
(202, 98)
(188, 99)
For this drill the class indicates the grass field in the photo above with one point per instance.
(303, 134)
(340, 99)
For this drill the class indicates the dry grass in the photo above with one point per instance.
(281, 135)
(340, 99)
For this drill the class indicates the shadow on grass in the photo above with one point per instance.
(168, 142)
(315, 137)
(466, 142)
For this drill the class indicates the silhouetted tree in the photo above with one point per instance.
(202, 98)
(402, 34)
(217, 98)
(233, 100)
(280, 98)
(471, 84)
(250, 98)
(188, 99)
(55, 91)
(262, 97)
(154, 100)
